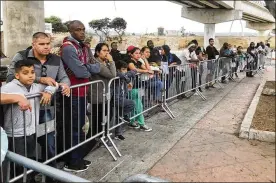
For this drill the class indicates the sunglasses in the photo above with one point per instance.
(43, 71)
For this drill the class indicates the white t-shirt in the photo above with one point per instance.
(186, 56)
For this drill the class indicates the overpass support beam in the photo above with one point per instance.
(210, 17)
(20, 20)
(263, 28)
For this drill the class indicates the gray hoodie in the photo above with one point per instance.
(14, 117)
(107, 72)
(53, 64)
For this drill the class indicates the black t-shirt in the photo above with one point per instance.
(154, 55)
(137, 64)
(211, 52)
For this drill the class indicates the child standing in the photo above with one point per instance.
(20, 125)
(241, 59)
(123, 105)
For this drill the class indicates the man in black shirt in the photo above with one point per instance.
(155, 56)
(115, 53)
(211, 51)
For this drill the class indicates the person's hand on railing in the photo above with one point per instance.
(23, 103)
(47, 81)
(150, 72)
(45, 98)
(65, 89)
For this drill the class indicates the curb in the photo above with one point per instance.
(246, 131)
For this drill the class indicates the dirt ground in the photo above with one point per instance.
(264, 118)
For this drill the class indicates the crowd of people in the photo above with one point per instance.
(37, 70)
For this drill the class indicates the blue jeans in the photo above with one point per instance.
(74, 132)
(45, 116)
(156, 85)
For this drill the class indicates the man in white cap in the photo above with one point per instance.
(189, 56)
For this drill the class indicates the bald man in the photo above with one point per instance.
(76, 59)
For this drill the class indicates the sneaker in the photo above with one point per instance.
(80, 167)
(119, 137)
(207, 87)
(133, 125)
(86, 162)
(145, 128)
(199, 89)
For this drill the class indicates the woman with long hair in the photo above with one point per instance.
(139, 67)
(95, 95)
(154, 83)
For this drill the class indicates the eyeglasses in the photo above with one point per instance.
(43, 71)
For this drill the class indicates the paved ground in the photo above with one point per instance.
(201, 137)
(211, 151)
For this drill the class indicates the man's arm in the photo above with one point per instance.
(11, 98)
(62, 76)
(11, 71)
(71, 59)
(127, 76)
(176, 59)
(108, 71)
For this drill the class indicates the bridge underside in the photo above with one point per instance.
(212, 12)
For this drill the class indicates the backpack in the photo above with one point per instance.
(57, 50)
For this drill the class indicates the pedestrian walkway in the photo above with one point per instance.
(211, 150)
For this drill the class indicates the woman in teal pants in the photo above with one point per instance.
(135, 64)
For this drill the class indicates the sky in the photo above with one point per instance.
(141, 16)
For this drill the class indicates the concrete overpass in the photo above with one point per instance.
(211, 12)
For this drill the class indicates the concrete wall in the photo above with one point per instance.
(21, 19)
(177, 43)
(174, 42)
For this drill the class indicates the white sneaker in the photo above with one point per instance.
(145, 128)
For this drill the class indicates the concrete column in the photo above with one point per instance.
(209, 32)
(21, 19)
(263, 32)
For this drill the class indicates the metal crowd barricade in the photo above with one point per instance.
(39, 168)
(58, 129)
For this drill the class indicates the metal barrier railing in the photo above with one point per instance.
(45, 170)
(94, 111)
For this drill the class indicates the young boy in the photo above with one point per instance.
(122, 105)
(18, 123)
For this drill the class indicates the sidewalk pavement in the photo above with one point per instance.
(211, 150)
(141, 150)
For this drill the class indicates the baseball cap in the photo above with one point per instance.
(130, 48)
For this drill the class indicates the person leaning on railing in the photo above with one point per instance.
(23, 104)
(200, 53)
(252, 59)
(20, 126)
(172, 61)
(95, 96)
(241, 58)
(49, 70)
(226, 57)
(154, 83)
(135, 64)
(76, 60)
(212, 52)
(189, 56)
(122, 105)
